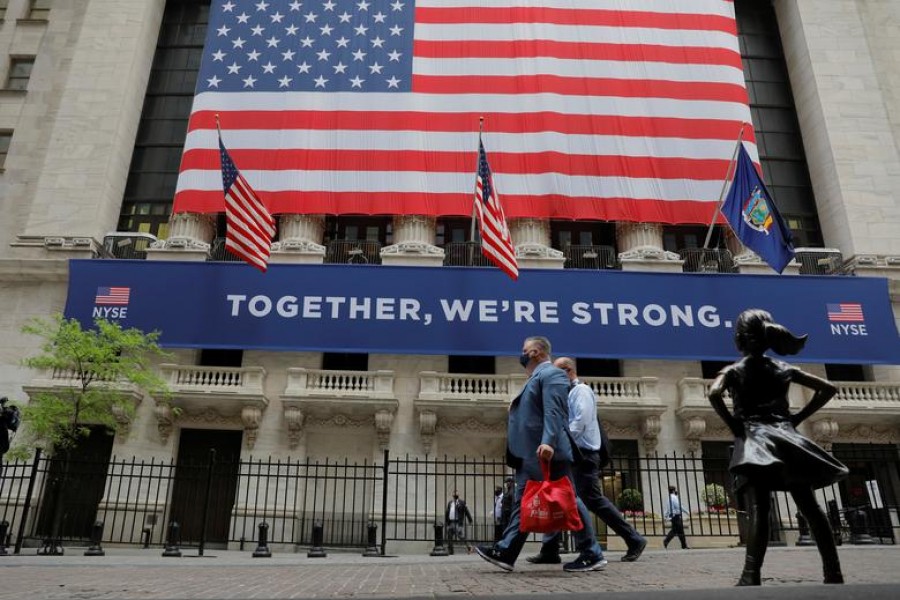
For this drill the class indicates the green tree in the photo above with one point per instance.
(100, 362)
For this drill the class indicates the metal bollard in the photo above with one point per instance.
(262, 549)
(96, 549)
(372, 542)
(4, 528)
(318, 535)
(859, 527)
(146, 533)
(803, 528)
(172, 549)
(439, 549)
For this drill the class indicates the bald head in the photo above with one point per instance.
(568, 365)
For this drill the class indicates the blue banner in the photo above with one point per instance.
(453, 310)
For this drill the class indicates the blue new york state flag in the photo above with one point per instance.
(753, 217)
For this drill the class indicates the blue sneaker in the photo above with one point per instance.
(495, 557)
(585, 562)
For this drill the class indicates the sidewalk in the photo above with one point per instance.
(130, 573)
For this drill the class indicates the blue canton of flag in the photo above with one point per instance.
(260, 46)
(753, 217)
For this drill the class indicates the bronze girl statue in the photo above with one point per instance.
(769, 454)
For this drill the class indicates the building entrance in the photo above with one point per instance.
(196, 472)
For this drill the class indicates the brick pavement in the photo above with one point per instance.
(144, 574)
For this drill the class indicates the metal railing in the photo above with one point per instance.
(218, 253)
(353, 252)
(404, 497)
(464, 254)
(128, 245)
(820, 261)
(590, 257)
(707, 260)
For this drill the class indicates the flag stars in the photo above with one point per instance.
(258, 30)
(393, 82)
(295, 6)
(307, 42)
(379, 17)
(223, 30)
(262, 6)
(329, 5)
(310, 17)
(323, 55)
(359, 55)
(320, 81)
(397, 6)
(345, 17)
(326, 29)
(243, 18)
(253, 55)
(342, 42)
(234, 68)
(361, 30)
(292, 30)
(303, 67)
(377, 42)
(356, 82)
(238, 43)
(228, 6)
(277, 17)
(269, 67)
(375, 69)
(288, 55)
(340, 68)
(213, 81)
(284, 82)
(219, 56)
(273, 42)
(248, 83)
(363, 5)
(394, 56)
(396, 30)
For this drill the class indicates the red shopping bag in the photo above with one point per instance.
(549, 506)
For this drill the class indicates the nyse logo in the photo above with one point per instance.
(846, 318)
(111, 302)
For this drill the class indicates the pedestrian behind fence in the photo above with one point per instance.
(674, 510)
(455, 518)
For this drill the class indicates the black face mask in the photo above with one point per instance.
(524, 359)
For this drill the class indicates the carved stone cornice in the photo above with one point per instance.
(165, 421)
(338, 420)
(251, 416)
(694, 428)
(384, 419)
(293, 418)
(415, 248)
(299, 247)
(877, 434)
(472, 425)
(650, 428)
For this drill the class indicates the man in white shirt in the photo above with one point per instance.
(673, 513)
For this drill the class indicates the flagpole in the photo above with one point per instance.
(477, 165)
(218, 128)
(728, 175)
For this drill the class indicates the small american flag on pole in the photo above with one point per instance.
(250, 226)
(496, 243)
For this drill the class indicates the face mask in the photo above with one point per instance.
(524, 359)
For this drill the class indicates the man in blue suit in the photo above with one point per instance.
(538, 429)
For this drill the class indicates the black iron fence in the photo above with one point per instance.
(404, 497)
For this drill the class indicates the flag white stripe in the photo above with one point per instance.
(579, 68)
(246, 255)
(692, 7)
(517, 32)
(432, 183)
(254, 207)
(434, 141)
(240, 212)
(479, 103)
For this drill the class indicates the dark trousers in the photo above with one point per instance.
(586, 476)
(677, 529)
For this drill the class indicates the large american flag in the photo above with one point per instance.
(602, 109)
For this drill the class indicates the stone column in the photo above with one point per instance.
(413, 243)
(300, 240)
(641, 248)
(190, 235)
(531, 238)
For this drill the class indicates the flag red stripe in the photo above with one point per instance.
(454, 162)
(246, 255)
(581, 17)
(551, 206)
(577, 50)
(572, 86)
(697, 129)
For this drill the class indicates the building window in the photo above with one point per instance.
(846, 373)
(477, 365)
(582, 233)
(19, 73)
(153, 174)
(5, 139)
(453, 230)
(39, 10)
(3, 5)
(221, 357)
(345, 361)
(710, 368)
(598, 367)
(775, 120)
